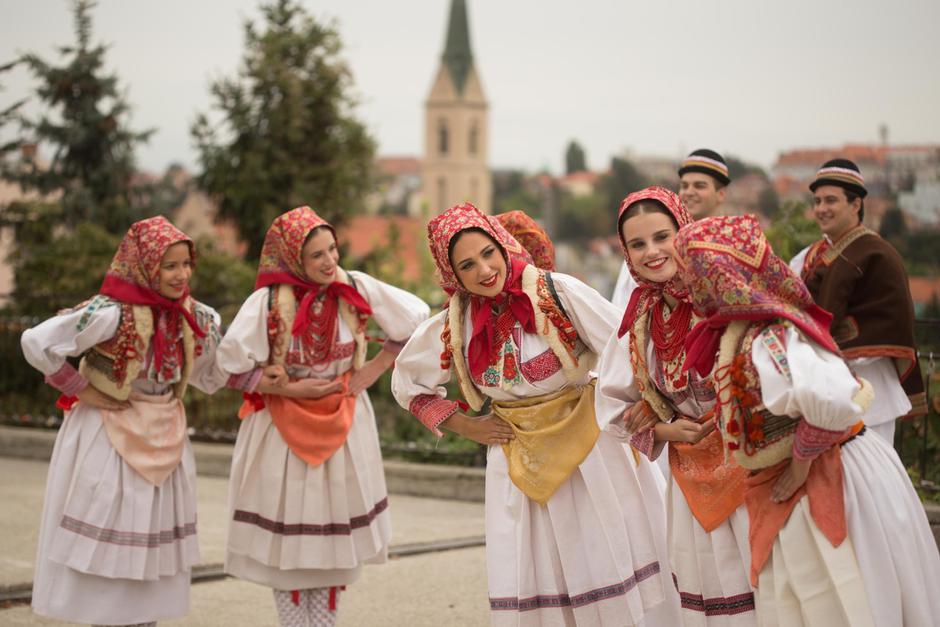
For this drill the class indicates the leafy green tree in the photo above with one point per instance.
(287, 134)
(85, 128)
(575, 160)
(623, 179)
(893, 227)
(792, 231)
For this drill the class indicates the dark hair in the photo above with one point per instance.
(315, 230)
(851, 196)
(647, 205)
(453, 242)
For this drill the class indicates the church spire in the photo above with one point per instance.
(457, 57)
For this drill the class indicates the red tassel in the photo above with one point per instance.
(256, 400)
(295, 596)
(333, 598)
(464, 407)
(65, 403)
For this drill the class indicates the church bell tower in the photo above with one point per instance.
(456, 126)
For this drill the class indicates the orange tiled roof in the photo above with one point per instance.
(362, 234)
(923, 288)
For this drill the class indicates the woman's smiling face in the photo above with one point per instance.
(649, 242)
(478, 263)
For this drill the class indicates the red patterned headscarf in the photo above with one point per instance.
(282, 263)
(489, 328)
(733, 274)
(648, 293)
(532, 237)
(134, 279)
(443, 228)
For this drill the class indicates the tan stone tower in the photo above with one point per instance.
(456, 126)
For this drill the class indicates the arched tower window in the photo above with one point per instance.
(441, 194)
(474, 138)
(443, 137)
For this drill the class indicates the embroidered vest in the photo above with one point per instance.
(660, 405)
(282, 309)
(755, 437)
(101, 364)
(551, 323)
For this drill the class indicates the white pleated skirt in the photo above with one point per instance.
(711, 569)
(595, 554)
(885, 573)
(294, 526)
(113, 548)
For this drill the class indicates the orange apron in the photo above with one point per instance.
(313, 428)
(713, 486)
(823, 486)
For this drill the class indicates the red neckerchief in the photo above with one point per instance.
(132, 293)
(334, 291)
(489, 330)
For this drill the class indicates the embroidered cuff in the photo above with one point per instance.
(246, 382)
(432, 410)
(393, 347)
(67, 380)
(810, 441)
(643, 442)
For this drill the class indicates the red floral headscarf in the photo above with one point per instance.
(648, 293)
(733, 274)
(134, 279)
(282, 263)
(532, 237)
(489, 329)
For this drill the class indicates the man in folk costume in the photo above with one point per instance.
(860, 278)
(308, 501)
(703, 183)
(118, 536)
(825, 547)
(527, 340)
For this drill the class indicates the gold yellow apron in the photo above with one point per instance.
(554, 434)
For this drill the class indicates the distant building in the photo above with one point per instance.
(456, 127)
(910, 172)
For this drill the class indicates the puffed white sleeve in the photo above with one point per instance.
(800, 378)
(593, 316)
(206, 375)
(623, 288)
(798, 261)
(418, 379)
(70, 334)
(397, 312)
(245, 345)
(616, 387)
(617, 392)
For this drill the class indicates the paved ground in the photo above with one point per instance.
(429, 589)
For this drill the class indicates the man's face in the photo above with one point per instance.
(700, 194)
(833, 211)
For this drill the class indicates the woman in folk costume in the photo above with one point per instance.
(644, 395)
(118, 533)
(307, 495)
(574, 523)
(837, 533)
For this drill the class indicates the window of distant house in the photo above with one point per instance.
(474, 133)
(443, 138)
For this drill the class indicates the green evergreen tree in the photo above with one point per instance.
(84, 128)
(575, 160)
(287, 134)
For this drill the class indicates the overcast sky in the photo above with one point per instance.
(660, 77)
